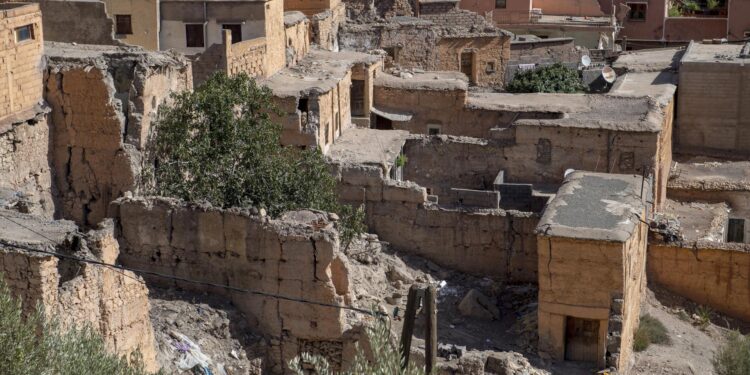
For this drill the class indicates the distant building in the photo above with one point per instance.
(21, 52)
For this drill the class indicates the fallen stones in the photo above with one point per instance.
(477, 305)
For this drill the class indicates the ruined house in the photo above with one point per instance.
(440, 37)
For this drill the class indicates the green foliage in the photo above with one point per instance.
(218, 144)
(31, 345)
(401, 160)
(675, 11)
(352, 222)
(555, 78)
(712, 4)
(650, 331)
(690, 5)
(704, 314)
(387, 358)
(733, 358)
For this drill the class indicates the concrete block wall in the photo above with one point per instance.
(246, 57)
(291, 256)
(21, 81)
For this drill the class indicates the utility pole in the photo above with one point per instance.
(417, 294)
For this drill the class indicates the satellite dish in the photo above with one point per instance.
(609, 74)
(585, 61)
(568, 172)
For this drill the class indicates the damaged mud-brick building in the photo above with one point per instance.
(437, 36)
(592, 268)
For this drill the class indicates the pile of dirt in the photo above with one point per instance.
(209, 322)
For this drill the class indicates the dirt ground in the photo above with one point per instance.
(212, 324)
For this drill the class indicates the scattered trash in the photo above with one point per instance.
(192, 357)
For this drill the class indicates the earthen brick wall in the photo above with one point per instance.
(21, 78)
(246, 57)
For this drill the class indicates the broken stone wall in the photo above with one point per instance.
(83, 22)
(542, 53)
(25, 171)
(103, 103)
(413, 43)
(326, 25)
(365, 10)
(490, 55)
(292, 256)
(20, 81)
(297, 37)
(712, 274)
(246, 57)
(496, 243)
(113, 302)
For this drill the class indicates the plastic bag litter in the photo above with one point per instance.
(192, 355)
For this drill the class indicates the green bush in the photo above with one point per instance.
(733, 358)
(650, 331)
(387, 358)
(31, 345)
(555, 78)
(218, 144)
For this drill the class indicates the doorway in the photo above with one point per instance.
(357, 95)
(581, 340)
(467, 64)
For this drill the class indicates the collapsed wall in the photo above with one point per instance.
(296, 256)
(103, 101)
(112, 302)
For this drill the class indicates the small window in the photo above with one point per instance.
(24, 33)
(637, 11)
(433, 129)
(500, 4)
(194, 35)
(736, 230)
(544, 151)
(236, 30)
(123, 24)
(490, 67)
(392, 53)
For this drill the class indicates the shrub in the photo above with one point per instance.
(218, 144)
(31, 345)
(387, 357)
(733, 358)
(704, 314)
(650, 331)
(555, 78)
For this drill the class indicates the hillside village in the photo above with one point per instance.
(508, 230)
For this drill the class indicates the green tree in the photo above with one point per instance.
(556, 78)
(32, 345)
(219, 144)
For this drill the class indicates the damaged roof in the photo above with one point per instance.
(596, 206)
(424, 81)
(717, 53)
(319, 72)
(362, 146)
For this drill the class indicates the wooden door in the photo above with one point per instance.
(581, 340)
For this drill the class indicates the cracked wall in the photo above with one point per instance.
(113, 302)
(292, 256)
(103, 103)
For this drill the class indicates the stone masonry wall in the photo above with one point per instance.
(291, 256)
(297, 38)
(246, 56)
(711, 274)
(114, 303)
(20, 81)
(325, 27)
(103, 104)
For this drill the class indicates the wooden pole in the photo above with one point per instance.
(431, 341)
(412, 303)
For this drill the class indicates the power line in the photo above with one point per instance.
(177, 278)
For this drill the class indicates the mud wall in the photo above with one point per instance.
(325, 27)
(297, 37)
(25, 172)
(84, 22)
(712, 274)
(494, 243)
(291, 256)
(20, 87)
(103, 104)
(113, 302)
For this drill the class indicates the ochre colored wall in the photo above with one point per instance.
(716, 276)
(275, 37)
(21, 75)
(588, 8)
(145, 21)
(487, 51)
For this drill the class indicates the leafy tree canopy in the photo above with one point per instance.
(556, 78)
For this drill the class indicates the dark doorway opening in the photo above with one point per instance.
(581, 340)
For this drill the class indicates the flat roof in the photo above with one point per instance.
(358, 146)
(424, 81)
(698, 221)
(659, 85)
(317, 73)
(650, 60)
(715, 53)
(585, 111)
(24, 229)
(16, 9)
(711, 175)
(596, 206)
